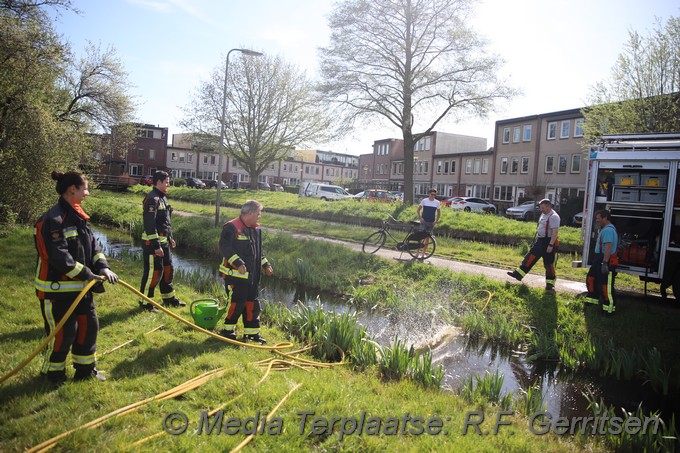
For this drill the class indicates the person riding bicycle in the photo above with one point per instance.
(429, 211)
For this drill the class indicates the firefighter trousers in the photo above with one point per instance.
(78, 335)
(537, 251)
(158, 271)
(600, 286)
(243, 302)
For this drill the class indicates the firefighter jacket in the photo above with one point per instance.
(156, 217)
(68, 253)
(239, 245)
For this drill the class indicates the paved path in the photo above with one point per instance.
(535, 281)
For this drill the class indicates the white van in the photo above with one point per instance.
(326, 192)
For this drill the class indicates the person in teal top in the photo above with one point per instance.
(600, 278)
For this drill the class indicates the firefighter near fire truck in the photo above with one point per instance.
(602, 273)
(157, 245)
(545, 246)
(69, 257)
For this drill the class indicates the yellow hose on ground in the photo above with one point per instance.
(56, 329)
(276, 347)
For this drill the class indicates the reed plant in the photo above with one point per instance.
(425, 372)
(395, 362)
(656, 373)
(659, 436)
(530, 401)
(486, 389)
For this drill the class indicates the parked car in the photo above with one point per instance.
(470, 204)
(528, 210)
(326, 192)
(276, 187)
(577, 220)
(399, 196)
(195, 183)
(358, 196)
(211, 184)
(378, 195)
(146, 180)
(263, 186)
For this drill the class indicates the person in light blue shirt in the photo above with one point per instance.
(602, 273)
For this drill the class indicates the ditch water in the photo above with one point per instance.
(563, 392)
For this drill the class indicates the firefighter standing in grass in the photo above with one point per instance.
(545, 246)
(157, 244)
(68, 258)
(242, 265)
(601, 275)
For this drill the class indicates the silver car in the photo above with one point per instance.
(528, 210)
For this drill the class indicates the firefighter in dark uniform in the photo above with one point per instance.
(68, 258)
(157, 244)
(544, 247)
(602, 272)
(242, 265)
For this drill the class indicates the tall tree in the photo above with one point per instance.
(411, 63)
(43, 123)
(643, 91)
(271, 108)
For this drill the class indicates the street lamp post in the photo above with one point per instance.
(250, 53)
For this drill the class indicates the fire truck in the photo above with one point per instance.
(635, 177)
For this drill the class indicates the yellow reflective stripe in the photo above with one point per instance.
(233, 272)
(264, 261)
(51, 323)
(251, 330)
(147, 284)
(169, 295)
(83, 359)
(233, 258)
(98, 256)
(70, 232)
(521, 272)
(148, 237)
(163, 239)
(242, 238)
(63, 286)
(75, 271)
(56, 366)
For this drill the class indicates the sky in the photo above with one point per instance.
(555, 51)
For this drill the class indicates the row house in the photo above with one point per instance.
(539, 156)
(145, 156)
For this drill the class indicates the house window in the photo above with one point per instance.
(525, 165)
(564, 131)
(152, 154)
(514, 165)
(506, 135)
(527, 133)
(212, 160)
(485, 166)
(477, 166)
(439, 167)
(516, 134)
(173, 156)
(468, 166)
(205, 159)
(578, 127)
(136, 169)
(549, 163)
(552, 131)
(307, 170)
(446, 167)
(562, 163)
(182, 157)
(575, 163)
(140, 153)
(317, 170)
(504, 165)
(190, 157)
(453, 166)
(502, 193)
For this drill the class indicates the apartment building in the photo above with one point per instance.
(147, 155)
(539, 156)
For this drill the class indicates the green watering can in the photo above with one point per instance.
(206, 312)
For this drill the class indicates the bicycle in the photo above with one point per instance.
(418, 244)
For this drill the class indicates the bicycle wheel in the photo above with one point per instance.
(420, 245)
(374, 242)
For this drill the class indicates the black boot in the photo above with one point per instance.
(255, 337)
(173, 302)
(84, 374)
(227, 334)
(56, 377)
(148, 307)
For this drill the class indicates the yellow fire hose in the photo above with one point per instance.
(57, 328)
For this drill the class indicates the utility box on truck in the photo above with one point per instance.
(635, 178)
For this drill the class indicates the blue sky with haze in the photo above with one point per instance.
(554, 50)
